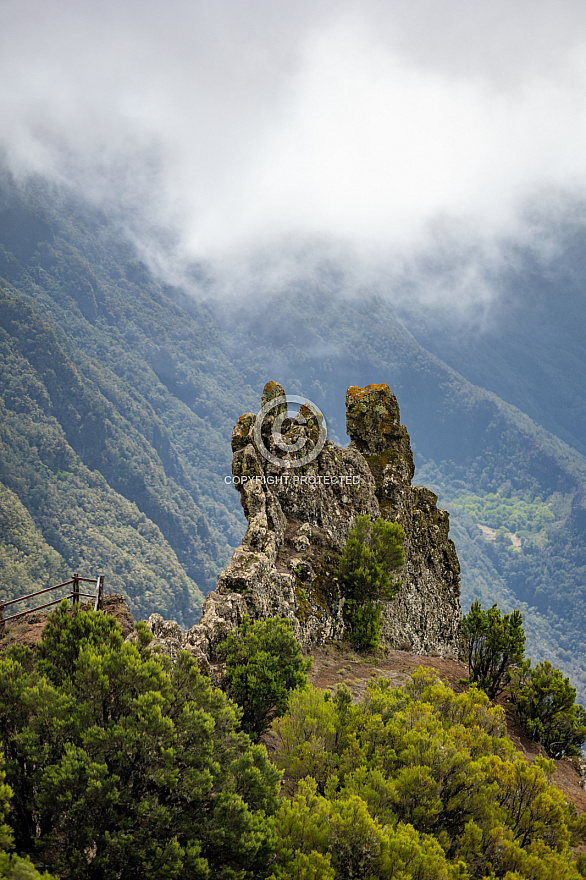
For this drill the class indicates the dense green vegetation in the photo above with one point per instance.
(494, 645)
(415, 782)
(523, 518)
(263, 664)
(123, 766)
(12, 866)
(544, 703)
(367, 572)
(60, 516)
(120, 765)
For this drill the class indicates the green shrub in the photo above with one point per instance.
(417, 783)
(545, 705)
(367, 572)
(494, 644)
(263, 663)
(126, 767)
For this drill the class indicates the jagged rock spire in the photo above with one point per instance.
(299, 517)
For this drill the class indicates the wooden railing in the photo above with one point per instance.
(74, 595)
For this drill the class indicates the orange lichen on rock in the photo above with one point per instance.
(357, 391)
(241, 432)
(271, 390)
(372, 416)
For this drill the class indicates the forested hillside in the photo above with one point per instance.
(120, 390)
(101, 462)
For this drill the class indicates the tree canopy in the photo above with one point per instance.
(367, 572)
(12, 866)
(545, 704)
(415, 782)
(124, 766)
(495, 643)
(121, 765)
(263, 664)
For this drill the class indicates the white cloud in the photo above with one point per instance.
(247, 123)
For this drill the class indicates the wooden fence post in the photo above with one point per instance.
(76, 589)
(2, 624)
(99, 592)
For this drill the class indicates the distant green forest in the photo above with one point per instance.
(119, 391)
(534, 561)
(526, 519)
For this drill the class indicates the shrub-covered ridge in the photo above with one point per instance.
(417, 782)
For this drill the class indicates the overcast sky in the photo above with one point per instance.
(251, 122)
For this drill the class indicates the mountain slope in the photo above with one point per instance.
(529, 347)
(122, 389)
(56, 500)
(469, 445)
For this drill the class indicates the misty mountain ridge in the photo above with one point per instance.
(119, 393)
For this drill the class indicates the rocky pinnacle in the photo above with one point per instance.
(299, 516)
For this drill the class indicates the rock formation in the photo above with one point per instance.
(301, 495)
